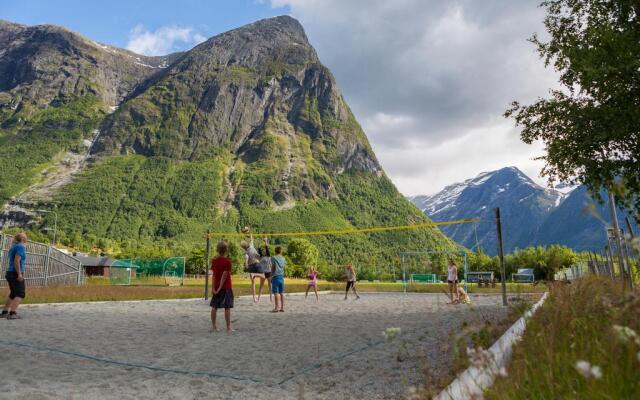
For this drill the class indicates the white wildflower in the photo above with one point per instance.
(587, 370)
(626, 334)
(596, 371)
(391, 333)
(584, 368)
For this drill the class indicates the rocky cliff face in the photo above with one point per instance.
(258, 93)
(247, 128)
(43, 65)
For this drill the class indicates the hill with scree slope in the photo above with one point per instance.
(247, 128)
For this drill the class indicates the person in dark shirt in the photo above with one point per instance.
(222, 290)
(15, 276)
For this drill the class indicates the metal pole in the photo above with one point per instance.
(404, 277)
(55, 226)
(501, 257)
(206, 265)
(46, 266)
(466, 289)
(616, 235)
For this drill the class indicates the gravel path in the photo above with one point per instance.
(333, 349)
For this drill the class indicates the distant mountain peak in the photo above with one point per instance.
(521, 200)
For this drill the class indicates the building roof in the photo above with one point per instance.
(89, 261)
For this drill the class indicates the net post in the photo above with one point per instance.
(206, 265)
(464, 253)
(184, 270)
(501, 257)
(404, 277)
(46, 267)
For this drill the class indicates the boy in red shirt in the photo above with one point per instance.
(222, 294)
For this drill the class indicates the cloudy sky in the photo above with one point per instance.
(427, 79)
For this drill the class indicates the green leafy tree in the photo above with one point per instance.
(559, 257)
(196, 263)
(591, 126)
(302, 254)
(236, 255)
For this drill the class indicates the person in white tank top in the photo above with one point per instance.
(452, 280)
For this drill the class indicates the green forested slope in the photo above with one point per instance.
(31, 137)
(247, 128)
(149, 202)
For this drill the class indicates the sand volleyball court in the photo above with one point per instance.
(333, 349)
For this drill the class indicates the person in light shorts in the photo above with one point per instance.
(312, 274)
(265, 267)
(252, 265)
(351, 281)
(452, 280)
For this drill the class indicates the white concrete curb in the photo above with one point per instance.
(473, 381)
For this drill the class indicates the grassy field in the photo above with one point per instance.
(98, 289)
(582, 344)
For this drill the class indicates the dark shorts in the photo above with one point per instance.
(16, 289)
(351, 284)
(453, 282)
(254, 269)
(267, 275)
(224, 299)
(277, 284)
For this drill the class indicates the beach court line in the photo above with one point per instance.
(126, 364)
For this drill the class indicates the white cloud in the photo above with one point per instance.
(162, 41)
(429, 80)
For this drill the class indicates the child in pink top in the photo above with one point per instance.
(312, 274)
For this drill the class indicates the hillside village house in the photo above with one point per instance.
(95, 266)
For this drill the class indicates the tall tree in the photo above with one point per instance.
(591, 125)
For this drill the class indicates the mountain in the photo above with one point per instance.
(55, 88)
(246, 128)
(531, 215)
(523, 206)
(580, 222)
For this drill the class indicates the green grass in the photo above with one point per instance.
(99, 289)
(577, 323)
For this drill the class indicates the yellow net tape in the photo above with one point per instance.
(347, 231)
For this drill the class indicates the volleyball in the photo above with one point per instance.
(246, 229)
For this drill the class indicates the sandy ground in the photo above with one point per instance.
(333, 349)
